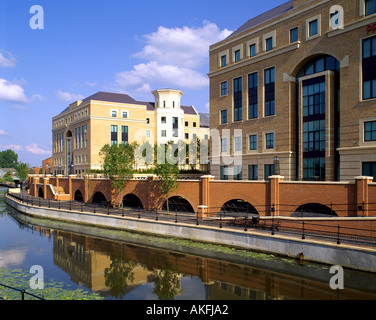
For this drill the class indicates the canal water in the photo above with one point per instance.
(126, 266)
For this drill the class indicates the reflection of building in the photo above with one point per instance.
(87, 261)
(82, 129)
(297, 87)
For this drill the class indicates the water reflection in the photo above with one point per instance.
(123, 270)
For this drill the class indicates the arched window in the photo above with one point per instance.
(316, 111)
(370, 7)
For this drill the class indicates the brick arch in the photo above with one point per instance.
(313, 209)
(98, 196)
(40, 192)
(239, 206)
(78, 195)
(131, 200)
(298, 67)
(255, 193)
(192, 199)
(179, 203)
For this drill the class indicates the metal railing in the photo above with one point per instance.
(23, 293)
(324, 226)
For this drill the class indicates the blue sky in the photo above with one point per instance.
(130, 47)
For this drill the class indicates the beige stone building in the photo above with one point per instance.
(293, 92)
(83, 128)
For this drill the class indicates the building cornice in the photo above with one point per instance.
(293, 13)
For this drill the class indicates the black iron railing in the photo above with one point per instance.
(293, 220)
(23, 293)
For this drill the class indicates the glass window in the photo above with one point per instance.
(163, 133)
(294, 35)
(269, 137)
(224, 173)
(163, 119)
(269, 44)
(175, 127)
(370, 7)
(223, 116)
(252, 50)
(269, 78)
(124, 134)
(238, 99)
(369, 68)
(370, 131)
(369, 170)
(224, 144)
(238, 143)
(238, 172)
(237, 55)
(313, 28)
(252, 172)
(223, 61)
(114, 114)
(125, 114)
(268, 171)
(253, 96)
(253, 142)
(224, 88)
(114, 137)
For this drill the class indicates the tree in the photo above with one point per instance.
(167, 173)
(22, 172)
(8, 159)
(118, 164)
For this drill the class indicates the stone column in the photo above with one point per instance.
(45, 183)
(361, 189)
(274, 194)
(203, 208)
(86, 189)
(150, 199)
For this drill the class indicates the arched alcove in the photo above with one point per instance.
(179, 204)
(132, 201)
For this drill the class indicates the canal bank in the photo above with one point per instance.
(347, 256)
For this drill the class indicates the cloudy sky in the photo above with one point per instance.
(85, 46)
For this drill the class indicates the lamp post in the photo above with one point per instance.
(276, 166)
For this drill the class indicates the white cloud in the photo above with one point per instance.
(14, 147)
(166, 75)
(12, 92)
(69, 97)
(183, 47)
(7, 62)
(176, 57)
(3, 133)
(34, 149)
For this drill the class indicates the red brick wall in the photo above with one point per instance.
(344, 198)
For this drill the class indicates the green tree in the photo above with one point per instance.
(118, 164)
(8, 159)
(167, 173)
(22, 172)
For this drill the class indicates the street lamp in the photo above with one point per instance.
(276, 166)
